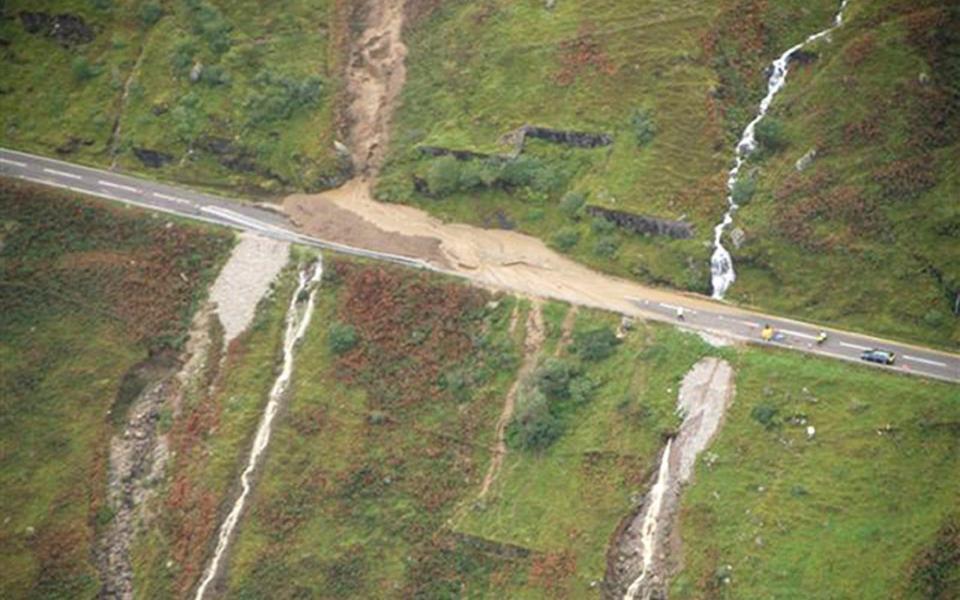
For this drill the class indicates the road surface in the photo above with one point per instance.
(699, 312)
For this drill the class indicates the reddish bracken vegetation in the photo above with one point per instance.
(583, 54)
(92, 257)
(906, 178)
(552, 570)
(410, 330)
(805, 200)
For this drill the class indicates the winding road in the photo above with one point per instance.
(700, 313)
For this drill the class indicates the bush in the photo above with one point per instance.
(443, 176)
(83, 69)
(341, 337)
(553, 378)
(600, 225)
(766, 415)
(934, 318)
(595, 344)
(743, 190)
(770, 135)
(606, 247)
(572, 204)
(565, 239)
(214, 75)
(278, 97)
(534, 426)
(643, 127)
(150, 13)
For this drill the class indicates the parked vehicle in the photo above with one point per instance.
(883, 357)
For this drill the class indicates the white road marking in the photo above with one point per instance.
(15, 163)
(925, 361)
(171, 198)
(854, 346)
(117, 186)
(750, 323)
(238, 218)
(798, 334)
(61, 173)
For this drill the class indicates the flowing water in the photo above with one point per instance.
(722, 274)
(651, 519)
(298, 318)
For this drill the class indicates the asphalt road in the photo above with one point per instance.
(699, 313)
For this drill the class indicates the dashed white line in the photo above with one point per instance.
(238, 218)
(925, 361)
(61, 173)
(798, 334)
(750, 323)
(126, 188)
(171, 198)
(15, 163)
(854, 346)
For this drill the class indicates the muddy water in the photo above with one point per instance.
(722, 274)
(642, 562)
(297, 321)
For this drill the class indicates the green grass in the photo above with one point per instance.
(567, 500)
(476, 71)
(252, 94)
(846, 514)
(69, 333)
(209, 461)
(355, 485)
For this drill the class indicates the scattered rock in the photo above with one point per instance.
(72, 145)
(806, 159)
(738, 237)
(68, 30)
(803, 57)
(196, 72)
(152, 158)
(811, 431)
(457, 154)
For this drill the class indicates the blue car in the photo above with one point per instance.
(882, 357)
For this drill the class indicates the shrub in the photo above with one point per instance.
(553, 378)
(766, 415)
(572, 204)
(566, 238)
(601, 225)
(278, 97)
(83, 69)
(214, 75)
(534, 426)
(934, 318)
(606, 247)
(341, 337)
(443, 176)
(595, 344)
(150, 13)
(770, 135)
(643, 127)
(743, 190)
(581, 389)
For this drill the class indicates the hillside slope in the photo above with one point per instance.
(665, 90)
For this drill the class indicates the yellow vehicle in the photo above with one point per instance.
(767, 333)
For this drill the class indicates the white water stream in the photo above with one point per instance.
(651, 519)
(298, 318)
(722, 274)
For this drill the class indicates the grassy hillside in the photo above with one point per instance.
(216, 94)
(90, 298)
(867, 234)
(674, 84)
(865, 509)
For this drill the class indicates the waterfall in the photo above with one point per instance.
(297, 320)
(722, 274)
(651, 518)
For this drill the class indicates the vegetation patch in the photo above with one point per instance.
(91, 299)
